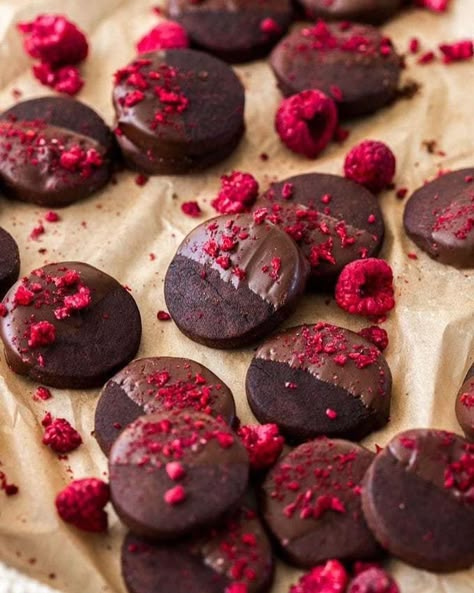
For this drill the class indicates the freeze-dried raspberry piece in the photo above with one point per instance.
(60, 435)
(237, 193)
(435, 5)
(371, 164)
(191, 209)
(82, 504)
(365, 287)
(263, 443)
(373, 580)
(376, 335)
(42, 333)
(306, 122)
(328, 578)
(166, 35)
(457, 52)
(65, 79)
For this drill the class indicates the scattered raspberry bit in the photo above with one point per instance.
(191, 209)
(166, 35)
(371, 164)
(331, 414)
(327, 503)
(175, 470)
(467, 400)
(23, 296)
(270, 26)
(163, 316)
(82, 504)
(306, 122)
(377, 335)
(237, 193)
(365, 287)
(51, 216)
(3, 310)
(328, 578)
(42, 394)
(412, 255)
(141, 180)
(435, 5)
(237, 588)
(9, 489)
(37, 231)
(66, 79)
(263, 443)
(426, 58)
(60, 435)
(401, 193)
(457, 52)
(373, 580)
(414, 45)
(76, 159)
(175, 495)
(42, 333)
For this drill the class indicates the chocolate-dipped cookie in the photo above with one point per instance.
(151, 385)
(311, 503)
(176, 472)
(320, 380)
(465, 405)
(54, 151)
(177, 111)
(361, 11)
(9, 261)
(69, 325)
(439, 218)
(239, 31)
(235, 553)
(334, 221)
(354, 64)
(233, 280)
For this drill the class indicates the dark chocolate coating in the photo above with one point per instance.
(438, 218)
(91, 344)
(367, 80)
(350, 206)
(57, 123)
(465, 405)
(362, 11)
(207, 563)
(233, 31)
(417, 498)
(299, 380)
(215, 465)
(9, 262)
(197, 121)
(151, 385)
(231, 303)
(311, 503)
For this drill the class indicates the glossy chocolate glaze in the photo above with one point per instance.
(367, 11)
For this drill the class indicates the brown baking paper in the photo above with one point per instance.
(431, 328)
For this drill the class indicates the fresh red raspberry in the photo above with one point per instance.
(238, 193)
(53, 39)
(306, 122)
(373, 580)
(263, 443)
(377, 335)
(328, 578)
(435, 5)
(166, 35)
(371, 164)
(82, 504)
(66, 79)
(365, 287)
(60, 435)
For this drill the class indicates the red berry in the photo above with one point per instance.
(238, 193)
(166, 35)
(328, 578)
(373, 580)
(377, 335)
(263, 443)
(82, 504)
(60, 435)
(371, 164)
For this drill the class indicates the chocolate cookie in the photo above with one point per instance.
(69, 325)
(334, 221)
(320, 380)
(239, 31)
(233, 280)
(151, 385)
(465, 405)
(9, 261)
(439, 218)
(236, 552)
(177, 110)
(354, 64)
(362, 11)
(418, 499)
(176, 472)
(311, 503)
(54, 151)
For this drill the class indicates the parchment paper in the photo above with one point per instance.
(431, 328)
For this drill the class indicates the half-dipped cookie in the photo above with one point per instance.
(54, 151)
(354, 64)
(361, 11)
(239, 31)
(233, 280)
(320, 380)
(311, 503)
(439, 218)
(176, 472)
(9, 261)
(177, 110)
(69, 325)
(465, 405)
(418, 499)
(151, 385)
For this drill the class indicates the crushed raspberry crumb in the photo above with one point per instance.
(175, 495)
(401, 193)
(377, 335)
(373, 580)
(37, 231)
(371, 164)
(435, 5)
(42, 394)
(263, 443)
(65, 79)
(306, 122)
(270, 26)
(60, 435)
(9, 489)
(427, 58)
(191, 209)
(141, 180)
(365, 287)
(414, 45)
(328, 578)
(360, 567)
(3, 310)
(163, 316)
(457, 52)
(166, 35)
(238, 193)
(82, 504)
(237, 588)
(23, 296)
(51, 216)
(42, 333)
(175, 470)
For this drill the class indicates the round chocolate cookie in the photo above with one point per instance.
(465, 405)
(151, 385)
(174, 473)
(233, 280)
(439, 218)
(311, 503)
(238, 551)
(238, 31)
(334, 221)
(354, 64)
(362, 11)
(418, 499)
(69, 325)
(9, 261)
(320, 380)
(177, 110)
(54, 151)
